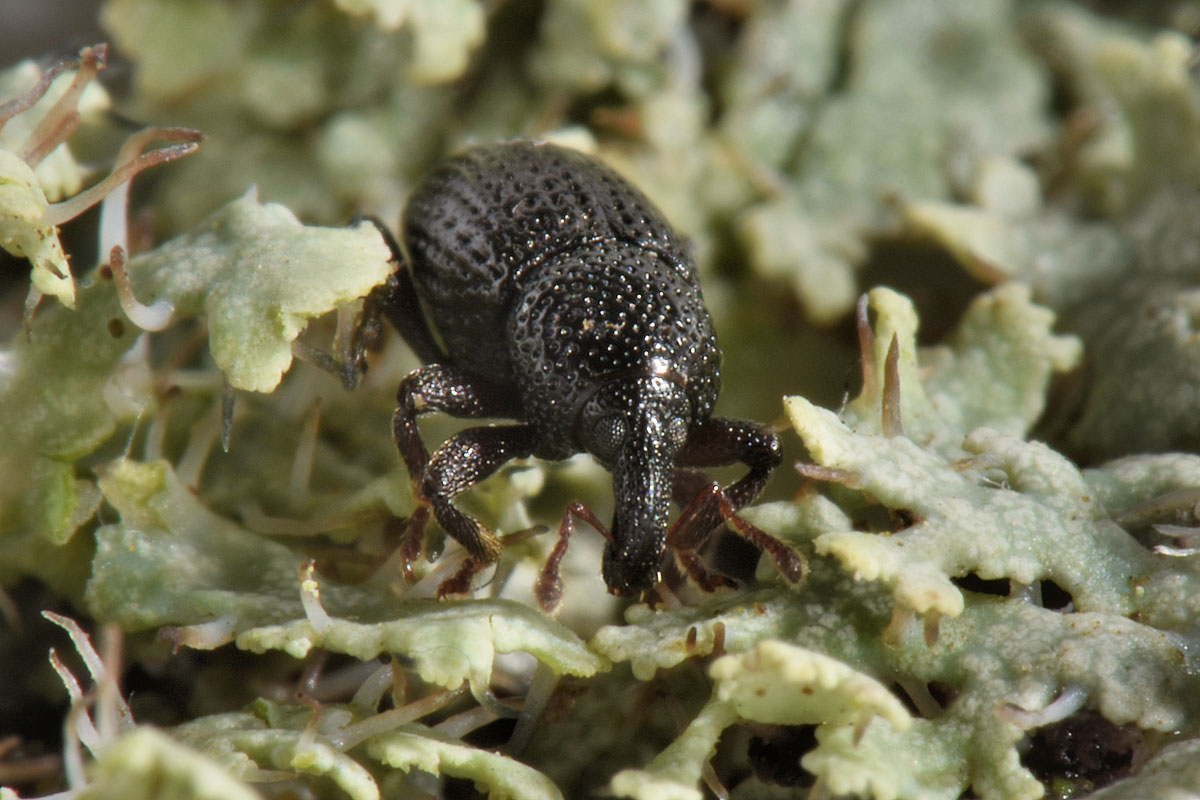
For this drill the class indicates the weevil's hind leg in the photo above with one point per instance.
(396, 301)
(463, 460)
(717, 442)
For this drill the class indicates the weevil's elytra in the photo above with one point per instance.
(564, 301)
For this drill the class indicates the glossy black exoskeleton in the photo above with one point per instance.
(562, 299)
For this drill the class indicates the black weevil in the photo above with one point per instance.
(563, 300)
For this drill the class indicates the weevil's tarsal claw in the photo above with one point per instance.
(413, 542)
(460, 583)
(704, 578)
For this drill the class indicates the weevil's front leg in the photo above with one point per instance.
(790, 563)
(444, 388)
(462, 461)
(548, 589)
(717, 442)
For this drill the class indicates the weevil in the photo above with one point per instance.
(537, 285)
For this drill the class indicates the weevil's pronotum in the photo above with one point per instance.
(562, 299)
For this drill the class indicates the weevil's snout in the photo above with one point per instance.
(633, 558)
(652, 427)
(642, 495)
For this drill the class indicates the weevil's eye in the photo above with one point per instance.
(608, 435)
(677, 431)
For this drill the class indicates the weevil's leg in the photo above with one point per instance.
(364, 338)
(413, 542)
(714, 443)
(450, 390)
(717, 442)
(687, 534)
(397, 301)
(548, 589)
(790, 563)
(704, 578)
(453, 469)
(462, 461)
(689, 490)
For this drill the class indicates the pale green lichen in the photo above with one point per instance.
(59, 174)
(25, 231)
(1142, 91)
(892, 122)
(588, 46)
(445, 33)
(446, 644)
(1055, 525)
(1003, 333)
(257, 746)
(275, 88)
(1172, 773)
(1125, 283)
(149, 764)
(67, 356)
(28, 185)
(780, 684)
(258, 276)
(248, 744)
(1052, 529)
(417, 748)
(39, 167)
(994, 514)
(173, 562)
(254, 314)
(997, 654)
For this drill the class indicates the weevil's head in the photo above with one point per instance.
(635, 426)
